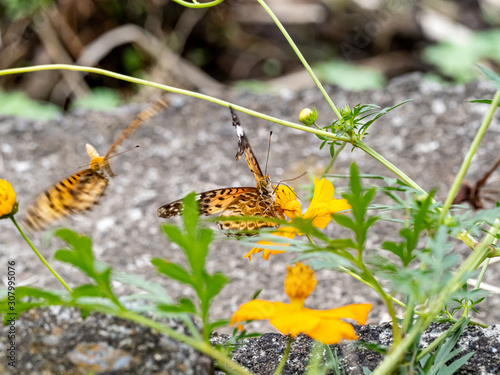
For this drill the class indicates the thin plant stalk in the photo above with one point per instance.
(468, 158)
(198, 5)
(41, 257)
(301, 57)
(332, 160)
(281, 365)
(175, 90)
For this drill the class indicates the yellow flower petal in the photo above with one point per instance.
(357, 312)
(332, 332)
(265, 252)
(287, 232)
(286, 200)
(259, 310)
(322, 325)
(295, 322)
(7, 198)
(323, 205)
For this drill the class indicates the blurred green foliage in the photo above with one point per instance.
(457, 61)
(100, 98)
(349, 76)
(17, 103)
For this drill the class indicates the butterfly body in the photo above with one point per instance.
(237, 201)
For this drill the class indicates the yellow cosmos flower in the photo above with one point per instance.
(324, 326)
(8, 204)
(320, 211)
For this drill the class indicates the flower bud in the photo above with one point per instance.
(308, 116)
(346, 111)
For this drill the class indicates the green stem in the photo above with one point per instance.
(468, 158)
(473, 261)
(195, 4)
(285, 356)
(481, 274)
(301, 57)
(402, 176)
(396, 332)
(40, 256)
(367, 283)
(208, 98)
(332, 160)
(222, 359)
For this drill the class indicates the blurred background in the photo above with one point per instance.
(355, 44)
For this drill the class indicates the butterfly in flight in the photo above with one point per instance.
(79, 192)
(237, 201)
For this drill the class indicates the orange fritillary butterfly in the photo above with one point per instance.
(79, 192)
(237, 201)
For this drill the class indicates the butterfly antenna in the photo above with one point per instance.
(288, 179)
(268, 152)
(112, 156)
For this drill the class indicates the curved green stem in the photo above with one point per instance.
(301, 57)
(195, 4)
(386, 163)
(40, 256)
(468, 158)
(176, 90)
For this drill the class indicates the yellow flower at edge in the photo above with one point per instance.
(7, 199)
(324, 326)
(322, 206)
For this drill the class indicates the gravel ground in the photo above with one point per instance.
(191, 146)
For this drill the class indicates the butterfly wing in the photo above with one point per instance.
(244, 148)
(70, 196)
(251, 203)
(210, 202)
(143, 116)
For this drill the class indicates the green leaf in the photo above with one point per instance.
(344, 221)
(174, 271)
(492, 76)
(483, 101)
(218, 324)
(215, 283)
(28, 298)
(175, 235)
(190, 214)
(155, 292)
(185, 306)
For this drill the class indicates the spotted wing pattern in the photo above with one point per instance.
(79, 192)
(236, 201)
(70, 196)
(210, 202)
